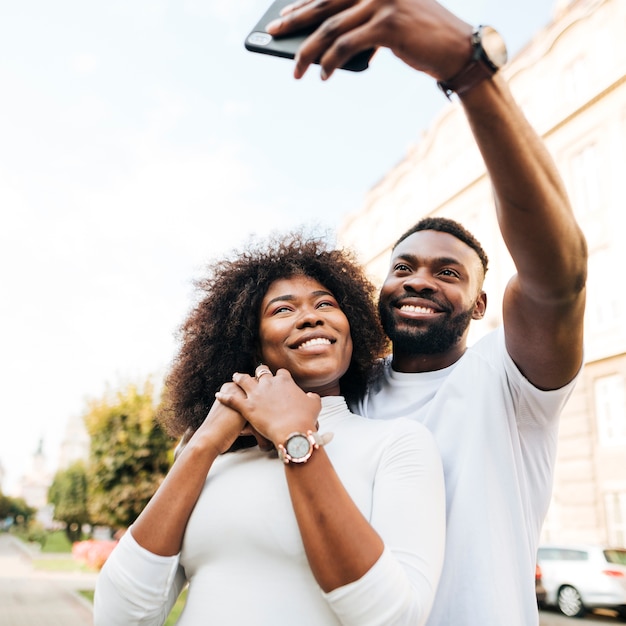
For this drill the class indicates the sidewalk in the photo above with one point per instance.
(30, 597)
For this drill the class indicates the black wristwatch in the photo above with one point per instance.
(488, 56)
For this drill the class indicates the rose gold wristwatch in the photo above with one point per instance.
(298, 447)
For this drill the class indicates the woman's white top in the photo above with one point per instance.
(243, 556)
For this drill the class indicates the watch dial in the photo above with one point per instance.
(494, 46)
(298, 446)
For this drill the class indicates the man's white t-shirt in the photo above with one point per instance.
(497, 435)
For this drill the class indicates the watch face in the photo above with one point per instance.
(298, 446)
(494, 46)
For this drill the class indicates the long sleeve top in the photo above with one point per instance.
(243, 557)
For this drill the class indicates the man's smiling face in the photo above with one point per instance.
(431, 293)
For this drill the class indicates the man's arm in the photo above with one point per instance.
(544, 303)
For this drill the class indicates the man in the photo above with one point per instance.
(492, 407)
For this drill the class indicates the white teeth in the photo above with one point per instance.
(416, 309)
(314, 342)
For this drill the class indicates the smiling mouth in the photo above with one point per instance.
(318, 341)
(409, 308)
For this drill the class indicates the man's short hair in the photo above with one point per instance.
(446, 225)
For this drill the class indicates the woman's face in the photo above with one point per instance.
(303, 330)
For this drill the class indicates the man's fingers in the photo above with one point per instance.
(337, 40)
(344, 48)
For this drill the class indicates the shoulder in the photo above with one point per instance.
(402, 430)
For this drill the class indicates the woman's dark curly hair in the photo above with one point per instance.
(221, 334)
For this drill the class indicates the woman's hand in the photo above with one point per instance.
(274, 406)
(220, 428)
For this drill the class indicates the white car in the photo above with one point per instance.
(580, 577)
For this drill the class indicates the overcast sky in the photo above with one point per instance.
(138, 140)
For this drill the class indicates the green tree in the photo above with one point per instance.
(68, 494)
(5, 506)
(130, 455)
(16, 509)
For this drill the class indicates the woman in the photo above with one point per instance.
(343, 531)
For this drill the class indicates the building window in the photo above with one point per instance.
(586, 187)
(610, 401)
(575, 81)
(615, 504)
(605, 308)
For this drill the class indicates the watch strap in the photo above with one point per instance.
(478, 69)
(471, 75)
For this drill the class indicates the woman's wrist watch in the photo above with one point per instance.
(489, 54)
(299, 447)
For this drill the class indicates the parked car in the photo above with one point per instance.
(540, 590)
(580, 577)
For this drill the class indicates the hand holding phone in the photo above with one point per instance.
(259, 40)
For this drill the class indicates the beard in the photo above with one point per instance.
(438, 337)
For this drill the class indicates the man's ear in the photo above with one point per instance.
(480, 306)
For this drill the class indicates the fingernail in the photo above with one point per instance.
(323, 74)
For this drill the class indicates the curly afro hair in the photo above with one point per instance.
(220, 335)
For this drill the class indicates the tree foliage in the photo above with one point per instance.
(15, 509)
(68, 493)
(130, 455)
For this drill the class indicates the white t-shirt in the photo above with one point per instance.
(497, 436)
(243, 555)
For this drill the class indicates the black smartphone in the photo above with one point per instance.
(259, 40)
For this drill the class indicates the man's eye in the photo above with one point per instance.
(402, 267)
(448, 272)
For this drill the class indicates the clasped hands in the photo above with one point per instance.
(264, 406)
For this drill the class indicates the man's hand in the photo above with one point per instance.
(422, 33)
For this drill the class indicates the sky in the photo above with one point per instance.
(138, 141)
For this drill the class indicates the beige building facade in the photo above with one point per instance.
(571, 82)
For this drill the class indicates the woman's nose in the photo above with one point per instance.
(309, 317)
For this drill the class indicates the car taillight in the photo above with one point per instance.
(537, 572)
(613, 573)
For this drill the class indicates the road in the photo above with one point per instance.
(554, 618)
(29, 597)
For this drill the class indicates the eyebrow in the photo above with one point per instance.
(442, 260)
(290, 298)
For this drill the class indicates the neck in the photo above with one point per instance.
(411, 363)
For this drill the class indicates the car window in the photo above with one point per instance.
(562, 554)
(548, 554)
(615, 556)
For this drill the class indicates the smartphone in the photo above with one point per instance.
(259, 40)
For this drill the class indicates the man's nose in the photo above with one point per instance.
(420, 281)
